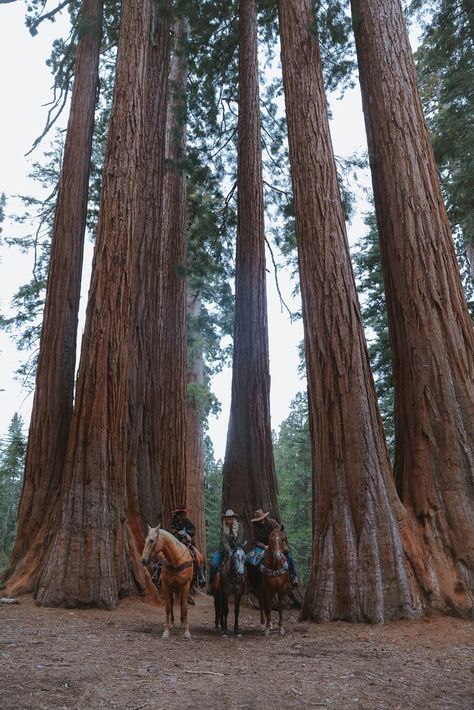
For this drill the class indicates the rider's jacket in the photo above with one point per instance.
(262, 529)
(179, 522)
(232, 536)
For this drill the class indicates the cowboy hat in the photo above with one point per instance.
(259, 515)
(229, 514)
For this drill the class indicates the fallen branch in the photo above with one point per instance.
(204, 672)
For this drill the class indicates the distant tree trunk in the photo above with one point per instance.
(249, 480)
(92, 559)
(430, 330)
(194, 430)
(171, 317)
(143, 475)
(52, 404)
(359, 569)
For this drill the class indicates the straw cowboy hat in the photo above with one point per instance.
(180, 509)
(259, 515)
(229, 514)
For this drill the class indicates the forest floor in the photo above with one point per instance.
(88, 659)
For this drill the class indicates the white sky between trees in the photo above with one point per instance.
(25, 83)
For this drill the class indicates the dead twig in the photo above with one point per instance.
(204, 672)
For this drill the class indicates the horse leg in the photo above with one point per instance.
(224, 612)
(268, 598)
(217, 609)
(184, 609)
(280, 614)
(262, 606)
(237, 596)
(168, 594)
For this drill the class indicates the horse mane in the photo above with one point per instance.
(172, 538)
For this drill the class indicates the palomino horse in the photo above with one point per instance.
(274, 578)
(176, 574)
(229, 580)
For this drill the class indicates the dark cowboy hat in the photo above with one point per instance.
(259, 515)
(180, 509)
(229, 513)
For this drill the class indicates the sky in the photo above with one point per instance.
(25, 88)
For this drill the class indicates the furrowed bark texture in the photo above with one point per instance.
(143, 475)
(359, 570)
(92, 560)
(171, 324)
(430, 331)
(52, 404)
(249, 472)
(194, 431)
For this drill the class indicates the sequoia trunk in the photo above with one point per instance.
(430, 330)
(359, 569)
(143, 474)
(194, 431)
(171, 320)
(249, 472)
(52, 404)
(92, 559)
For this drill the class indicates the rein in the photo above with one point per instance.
(174, 568)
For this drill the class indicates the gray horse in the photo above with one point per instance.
(228, 581)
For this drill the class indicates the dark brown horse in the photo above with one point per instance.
(176, 574)
(274, 578)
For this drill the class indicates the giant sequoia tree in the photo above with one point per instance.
(52, 406)
(249, 478)
(367, 563)
(88, 555)
(431, 334)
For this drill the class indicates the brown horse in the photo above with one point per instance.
(274, 578)
(176, 574)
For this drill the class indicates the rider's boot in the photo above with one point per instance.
(201, 579)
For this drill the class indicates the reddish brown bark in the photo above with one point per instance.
(360, 569)
(171, 321)
(92, 559)
(143, 476)
(430, 331)
(194, 432)
(52, 405)
(249, 472)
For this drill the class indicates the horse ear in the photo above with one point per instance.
(149, 529)
(158, 527)
(283, 528)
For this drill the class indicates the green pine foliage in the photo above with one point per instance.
(12, 456)
(213, 497)
(292, 449)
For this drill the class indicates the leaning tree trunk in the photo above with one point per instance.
(430, 331)
(52, 405)
(143, 475)
(171, 316)
(359, 570)
(249, 480)
(194, 427)
(92, 559)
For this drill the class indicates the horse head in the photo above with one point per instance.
(278, 545)
(238, 559)
(152, 544)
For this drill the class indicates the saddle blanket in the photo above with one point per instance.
(255, 556)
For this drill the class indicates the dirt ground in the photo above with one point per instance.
(88, 659)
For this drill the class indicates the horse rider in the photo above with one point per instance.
(184, 529)
(262, 527)
(232, 536)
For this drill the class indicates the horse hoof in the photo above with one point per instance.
(224, 635)
(282, 631)
(267, 632)
(238, 635)
(166, 634)
(187, 635)
(263, 627)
